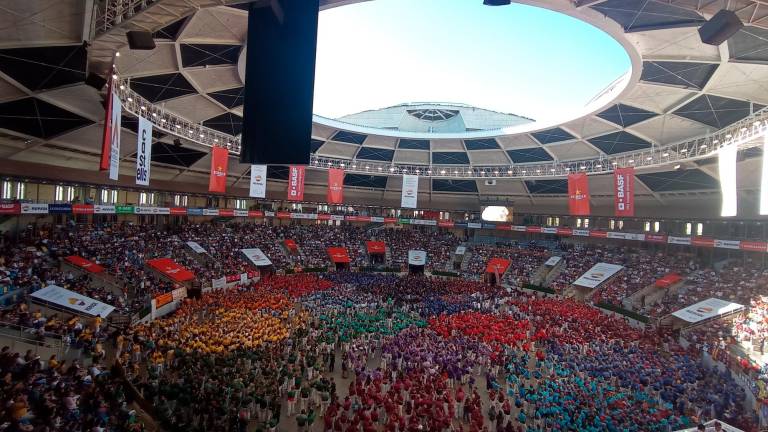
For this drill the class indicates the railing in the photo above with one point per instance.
(25, 335)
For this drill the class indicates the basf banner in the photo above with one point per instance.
(410, 191)
(72, 300)
(578, 194)
(195, 246)
(114, 141)
(295, 183)
(624, 191)
(258, 181)
(143, 152)
(257, 257)
(708, 308)
(417, 257)
(335, 186)
(598, 274)
(219, 162)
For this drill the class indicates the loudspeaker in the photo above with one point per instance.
(279, 83)
(140, 40)
(96, 81)
(720, 27)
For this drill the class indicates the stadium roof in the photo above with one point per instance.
(678, 89)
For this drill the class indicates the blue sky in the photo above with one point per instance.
(515, 59)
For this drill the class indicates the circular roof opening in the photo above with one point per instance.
(522, 64)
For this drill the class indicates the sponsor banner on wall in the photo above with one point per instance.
(195, 246)
(161, 210)
(335, 186)
(124, 209)
(323, 217)
(390, 220)
(59, 208)
(706, 309)
(474, 225)
(377, 219)
(336, 217)
(728, 244)
(598, 274)
(144, 210)
(703, 242)
(219, 165)
(581, 233)
(114, 141)
(226, 212)
(10, 208)
(255, 213)
(258, 181)
(427, 222)
(417, 257)
(295, 183)
(178, 211)
(445, 224)
(564, 231)
(519, 228)
(625, 236)
(410, 192)
(104, 209)
(624, 192)
(143, 152)
(488, 225)
(552, 261)
(533, 229)
(312, 216)
(219, 283)
(598, 234)
(210, 212)
(549, 230)
(243, 277)
(72, 300)
(353, 218)
(578, 194)
(256, 256)
(679, 240)
(195, 212)
(268, 213)
(754, 246)
(655, 238)
(163, 299)
(283, 215)
(82, 209)
(240, 213)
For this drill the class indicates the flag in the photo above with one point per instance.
(578, 194)
(410, 191)
(295, 183)
(624, 191)
(335, 186)
(143, 152)
(219, 161)
(258, 181)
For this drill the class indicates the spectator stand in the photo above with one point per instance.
(98, 274)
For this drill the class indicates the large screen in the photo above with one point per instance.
(497, 214)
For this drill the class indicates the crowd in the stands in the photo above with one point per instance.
(439, 245)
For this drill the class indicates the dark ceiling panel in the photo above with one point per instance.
(450, 185)
(171, 31)
(543, 187)
(450, 158)
(45, 67)
(749, 45)
(227, 123)
(413, 144)
(679, 180)
(365, 181)
(230, 98)
(39, 119)
(277, 172)
(619, 142)
(316, 144)
(349, 137)
(552, 136)
(625, 115)
(200, 55)
(132, 124)
(375, 154)
(689, 75)
(715, 111)
(175, 155)
(534, 154)
(482, 144)
(640, 15)
(157, 88)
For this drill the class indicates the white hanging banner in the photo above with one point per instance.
(143, 152)
(764, 180)
(114, 150)
(256, 256)
(727, 174)
(258, 181)
(410, 191)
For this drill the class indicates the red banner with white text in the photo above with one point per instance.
(106, 140)
(219, 161)
(624, 191)
(335, 186)
(578, 194)
(295, 183)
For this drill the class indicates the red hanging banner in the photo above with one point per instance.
(295, 183)
(578, 194)
(106, 140)
(624, 191)
(219, 161)
(335, 186)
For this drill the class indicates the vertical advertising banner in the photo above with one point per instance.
(410, 191)
(578, 194)
(295, 183)
(143, 152)
(335, 186)
(114, 140)
(219, 161)
(624, 191)
(107, 134)
(727, 175)
(258, 181)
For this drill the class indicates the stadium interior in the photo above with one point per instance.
(428, 266)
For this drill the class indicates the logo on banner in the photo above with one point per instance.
(335, 186)
(578, 194)
(410, 191)
(218, 178)
(623, 181)
(295, 183)
(143, 152)
(258, 181)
